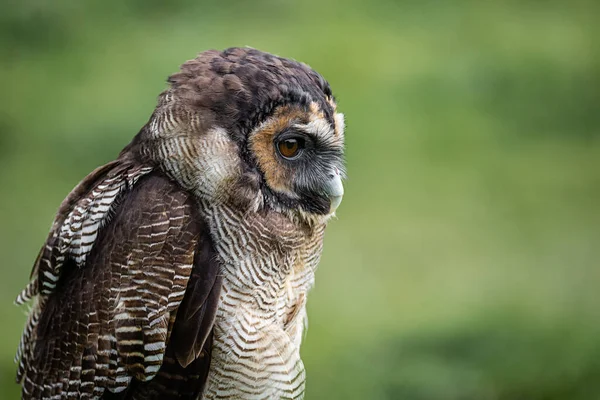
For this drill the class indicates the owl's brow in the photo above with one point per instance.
(317, 127)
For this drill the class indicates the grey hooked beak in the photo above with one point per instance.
(335, 190)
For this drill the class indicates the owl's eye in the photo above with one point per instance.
(290, 148)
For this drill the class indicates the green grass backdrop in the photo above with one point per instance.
(465, 260)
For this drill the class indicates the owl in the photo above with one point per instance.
(181, 269)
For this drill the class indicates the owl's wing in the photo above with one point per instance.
(128, 267)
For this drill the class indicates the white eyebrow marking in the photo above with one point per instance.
(318, 127)
(340, 124)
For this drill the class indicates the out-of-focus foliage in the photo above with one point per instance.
(465, 261)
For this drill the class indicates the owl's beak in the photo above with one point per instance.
(335, 190)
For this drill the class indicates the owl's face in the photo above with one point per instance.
(252, 130)
(299, 154)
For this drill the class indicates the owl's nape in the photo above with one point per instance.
(181, 269)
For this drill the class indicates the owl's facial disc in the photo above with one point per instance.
(308, 156)
(300, 155)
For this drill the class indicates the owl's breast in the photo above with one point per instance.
(267, 271)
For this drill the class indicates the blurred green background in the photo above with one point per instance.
(464, 264)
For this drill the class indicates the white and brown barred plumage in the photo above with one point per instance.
(181, 269)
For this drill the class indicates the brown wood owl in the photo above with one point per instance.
(180, 270)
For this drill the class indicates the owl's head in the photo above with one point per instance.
(251, 130)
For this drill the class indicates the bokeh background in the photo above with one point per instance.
(465, 261)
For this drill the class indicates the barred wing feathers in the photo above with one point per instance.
(107, 287)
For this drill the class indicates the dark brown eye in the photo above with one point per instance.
(290, 148)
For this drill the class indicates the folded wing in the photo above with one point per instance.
(126, 248)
